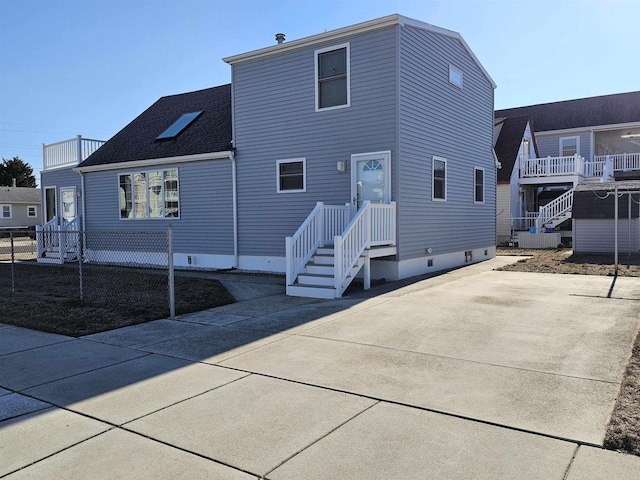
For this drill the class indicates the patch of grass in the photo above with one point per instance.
(47, 298)
(623, 433)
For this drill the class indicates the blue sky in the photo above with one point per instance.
(89, 67)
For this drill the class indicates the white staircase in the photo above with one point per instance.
(318, 271)
(555, 212)
(58, 244)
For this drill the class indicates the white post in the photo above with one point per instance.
(79, 149)
(172, 289)
(288, 260)
(320, 226)
(337, 265)
(367, 272)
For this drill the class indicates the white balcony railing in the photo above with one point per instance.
(576, 165)
(68, 152)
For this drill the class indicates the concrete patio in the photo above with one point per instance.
(471, 374)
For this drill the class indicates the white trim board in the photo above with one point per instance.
(226, 155)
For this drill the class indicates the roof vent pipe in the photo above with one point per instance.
(14, 182)
(280, 38)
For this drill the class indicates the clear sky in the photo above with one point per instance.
(89, 67)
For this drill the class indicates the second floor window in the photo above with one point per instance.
(569, 146)
(332, 77)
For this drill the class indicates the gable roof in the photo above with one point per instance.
(210, 132)
(507, 145)
(32, 196)
(583, 112)
(388, 21)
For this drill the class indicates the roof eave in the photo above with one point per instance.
(154, 161)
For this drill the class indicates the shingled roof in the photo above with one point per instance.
(208, 133)
(31, 196)
(583, 112)
(508, 143)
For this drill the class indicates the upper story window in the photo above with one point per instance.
(6, 211)
(333, 77)
(291, 175)
(478, 196)
(569, 146)
(455, 76)
(32, 211)
(439, 187)
(149, 194)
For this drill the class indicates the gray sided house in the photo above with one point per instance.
(583, 141)
(20, 207)
(360, 151)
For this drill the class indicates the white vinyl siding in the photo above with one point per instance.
(332, 77)
(291, 175)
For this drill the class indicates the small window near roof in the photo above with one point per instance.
(178, 126)
(32, 211)
(332, 77)
(455, 76)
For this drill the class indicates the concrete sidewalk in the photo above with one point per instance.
(471, 374)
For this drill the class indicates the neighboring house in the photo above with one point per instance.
(582, 141)
(382, 130)
(20, 207)
(594, 207)
(514, 140)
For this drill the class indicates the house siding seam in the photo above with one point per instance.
(275, 118)
(438, 118)
(205, 225)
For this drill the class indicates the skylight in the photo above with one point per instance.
(178, 126)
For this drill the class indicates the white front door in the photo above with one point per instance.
(68, 204)
(370, 178)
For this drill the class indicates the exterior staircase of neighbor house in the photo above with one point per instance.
(556, 211)
(56, 243)
(332, 246)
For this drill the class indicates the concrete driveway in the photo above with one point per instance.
(471, 374)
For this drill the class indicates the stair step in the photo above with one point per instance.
(311, 291)
(319, 269)
(315, 279)
(323, 259)
(325, 251)
(57, 261)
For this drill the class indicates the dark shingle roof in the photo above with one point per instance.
(210, 132)
(508, 144)
(20, 195)
(583, 112)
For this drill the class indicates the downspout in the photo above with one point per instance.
(235, 209)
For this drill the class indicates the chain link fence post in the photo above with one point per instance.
(172, 290)
(13, 267)
(80, 254)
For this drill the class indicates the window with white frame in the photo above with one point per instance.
(332, 77)
(32, 211)
(152, 194)
(291, 175)
(455, 76)
(6, 211)
(439, 186)
(478, 179)
(569, 146)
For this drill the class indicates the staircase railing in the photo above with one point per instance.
(374, 224)
(555, 208)
(70, 239)
(47, 236)
(322, 224)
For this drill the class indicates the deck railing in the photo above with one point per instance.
(621, 162)
(322, 224)
(374, 224)
(551, 166)
(68, 152)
